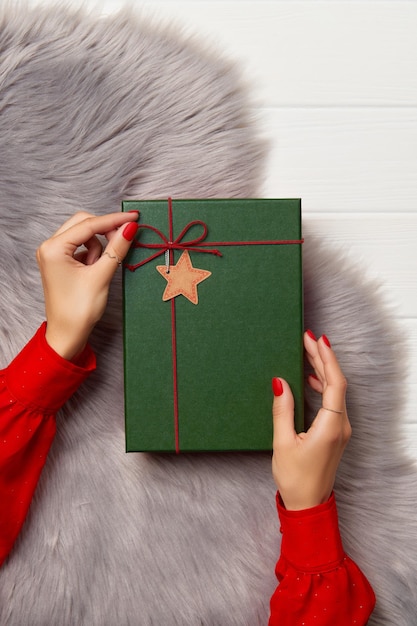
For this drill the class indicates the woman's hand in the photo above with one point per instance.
(76, 282)
(304, 465)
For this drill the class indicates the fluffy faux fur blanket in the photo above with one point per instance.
(94, 110)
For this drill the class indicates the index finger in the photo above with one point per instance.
(74, 219)
(82, 230)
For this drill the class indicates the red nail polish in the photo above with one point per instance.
(315, 377)
(311, 335)
(326, 341)
(134, 211)
(130, 230)
(277, 387)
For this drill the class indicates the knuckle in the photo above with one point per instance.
(334, 437)
(339, 437)
(43, 251)
(344, 435)
(339, 386)
(46, 251)
(81, 215)
(278, 445)
(347, 432)
(343, 383)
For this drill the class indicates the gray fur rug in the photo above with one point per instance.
(93, 111)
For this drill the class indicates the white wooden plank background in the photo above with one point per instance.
(335, 89)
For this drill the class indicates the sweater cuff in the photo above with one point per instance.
(41, 379)
(311, 538)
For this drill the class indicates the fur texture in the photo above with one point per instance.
(93, 111)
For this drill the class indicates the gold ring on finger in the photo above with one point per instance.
(332, 410)
(113, 256)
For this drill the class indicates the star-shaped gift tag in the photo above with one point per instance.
(182, 279)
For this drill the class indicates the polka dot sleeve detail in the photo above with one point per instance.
(34, 386)
(41, 379)
(319, 585)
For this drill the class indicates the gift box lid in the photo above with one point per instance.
(213, 309)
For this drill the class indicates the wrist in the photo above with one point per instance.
(67, 345)
(301, 503)
(301, 488)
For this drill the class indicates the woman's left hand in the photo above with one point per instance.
(304, 465)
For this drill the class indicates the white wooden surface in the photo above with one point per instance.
(335, 89)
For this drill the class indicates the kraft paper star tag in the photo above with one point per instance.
(182, 279)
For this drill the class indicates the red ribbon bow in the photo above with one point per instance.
(166, 245)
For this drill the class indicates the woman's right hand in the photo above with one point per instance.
(76, 283)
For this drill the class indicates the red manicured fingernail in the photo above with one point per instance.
(130, 230)
(326, 341)
(133, 211)
(311, 334)
(277, 387)
(315, 377)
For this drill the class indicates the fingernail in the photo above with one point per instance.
(277, 387)
(311, 335)
(326, 341)
(130, 230)
(134, 211)
(315, 377)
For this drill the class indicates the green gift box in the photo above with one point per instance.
(212, 311)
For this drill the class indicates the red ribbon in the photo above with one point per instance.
(177, 244)
(195, 245)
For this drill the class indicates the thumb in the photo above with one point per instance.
(282, 411)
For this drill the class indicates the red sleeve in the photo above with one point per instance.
(318, 583)
(32, 389)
